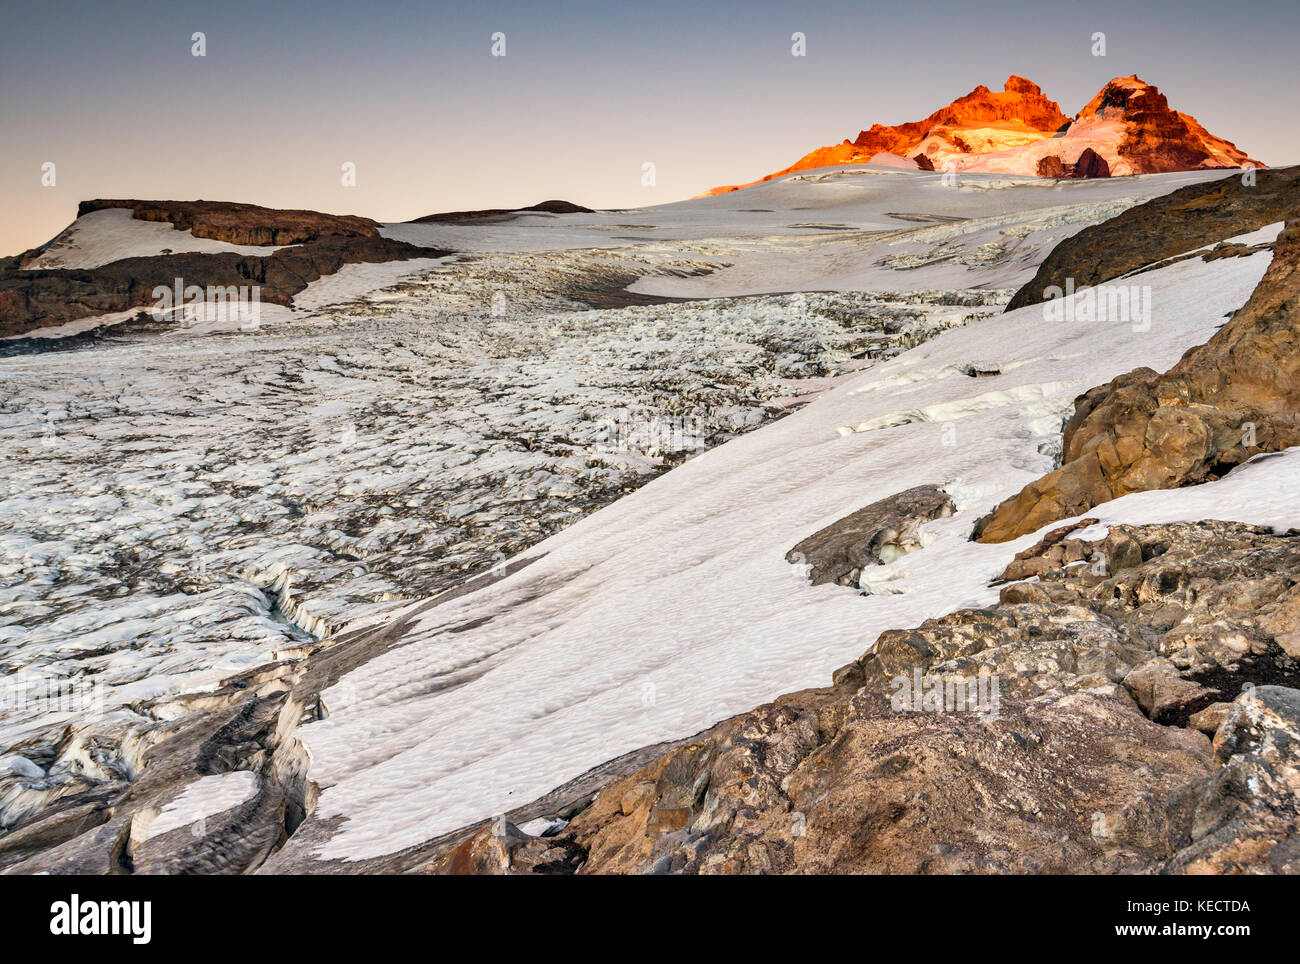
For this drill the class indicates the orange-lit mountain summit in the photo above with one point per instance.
(1127, 128)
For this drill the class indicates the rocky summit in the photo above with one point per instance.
(1127, 128)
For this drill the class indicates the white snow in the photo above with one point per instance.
(205, 797)
(394, 431)
(673, 608)
(112, 234)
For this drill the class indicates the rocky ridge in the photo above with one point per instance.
(237, 223)
(314, 245)
(1127, 128)
(1192, 217)
(1224, 402)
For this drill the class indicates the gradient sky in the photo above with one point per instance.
(587, 93)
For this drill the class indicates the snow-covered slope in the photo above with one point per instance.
(185, 504)
(112, 234)
(674, 607)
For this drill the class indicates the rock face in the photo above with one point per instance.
(1051, 166)
(1045, 736)
(1089, 164)
(1127, 128)
(317, 245)
(1020, 103)
(242, 223)
(1019, 111)
(872, 536)
(1230, 399)
(1156, 137)
(1191, 217)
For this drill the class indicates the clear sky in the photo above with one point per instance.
(587, 92)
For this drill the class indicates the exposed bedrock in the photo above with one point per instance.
(1234, 397)
(37, 299)
(1189, 218)
(1067, 754)
(1088, 164)
(237, 223)
(871, 536)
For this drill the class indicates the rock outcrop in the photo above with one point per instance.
(1225, 401)
(1089, 164)
(1019, 112)
(313, 245)
(1156, 138)
(871, 536)
(237, 223)
(496, 214)
(1192, 217)
(1044, 735)
(1128, 706)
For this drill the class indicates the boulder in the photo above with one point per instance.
(871, 536)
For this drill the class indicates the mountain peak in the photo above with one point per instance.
(1021, 85)
(1127, 128)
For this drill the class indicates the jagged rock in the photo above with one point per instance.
(502, 849)
(1051, 166)
(1210, 719)
(871, 536)
(1057, 770)
(1156, 137)
(1021, 104)
(1090, 164)
(1162, 692)
(1244, 818)
(1127, 128)
(1191, 217)
(1228, 400)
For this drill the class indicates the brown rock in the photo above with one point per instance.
(30, 300)
(242, 223)
(1224, 402)
(1059, 771)
(1090, 164)
(1051, 166)
(1210, 719)
(872, 535)
(1192, 217)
